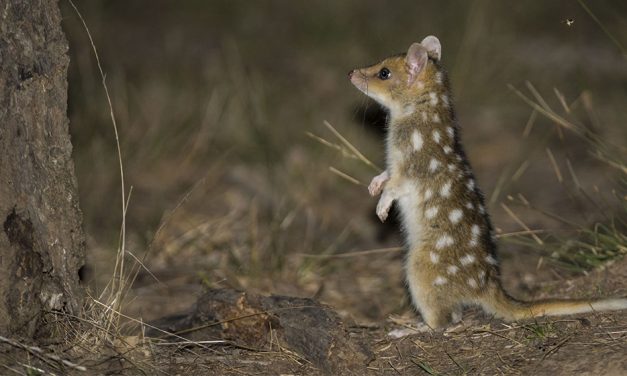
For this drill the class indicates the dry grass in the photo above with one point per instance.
(599, 237)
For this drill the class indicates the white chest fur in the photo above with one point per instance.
(409, 203)
(408, 193)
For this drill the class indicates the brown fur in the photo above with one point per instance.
(451, 260)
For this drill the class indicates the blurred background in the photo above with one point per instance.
(217, 102)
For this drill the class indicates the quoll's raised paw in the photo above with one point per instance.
(383, 207)
(377, 183)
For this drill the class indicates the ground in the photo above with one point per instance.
(589, 344)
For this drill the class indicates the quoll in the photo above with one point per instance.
(451, 259)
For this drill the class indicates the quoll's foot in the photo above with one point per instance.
(383, 207)
(407, 331)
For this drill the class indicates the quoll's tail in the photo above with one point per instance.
(503, 306)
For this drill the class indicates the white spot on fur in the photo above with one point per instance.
(438, 78)
(458, 157)
(439, 281)
(424, 116)
(445, 99)
(481, 209)
(436, 136)
(445, 191)
(431, 212)
(452, 269)
(447, 149)
(428, 193)
(469, 205)
(470, 185)
(444, 241)
(416, 140)
(455, 216)
(436, 118)
(435, 258)
(451, 167)
(481, 277)
(474, 237)
(450, 131)
(434, 98)
(472, 283)
(408, 110)
(467, 259)
(433, 164)
(491, 260)
(421, 85)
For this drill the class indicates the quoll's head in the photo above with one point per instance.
(396, 81)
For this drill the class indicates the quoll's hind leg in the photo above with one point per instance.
(439, 316)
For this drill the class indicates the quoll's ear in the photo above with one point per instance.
(415, 61)
(433, 46)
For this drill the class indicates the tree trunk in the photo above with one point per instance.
(42, 245)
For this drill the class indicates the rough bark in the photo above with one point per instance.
(41, 238)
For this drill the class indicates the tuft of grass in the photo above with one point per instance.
(113, 294)
(539, 331)
(100, 328)
(585, 244)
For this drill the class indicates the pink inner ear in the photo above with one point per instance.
(415, 61)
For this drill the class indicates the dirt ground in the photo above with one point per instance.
(590, 344)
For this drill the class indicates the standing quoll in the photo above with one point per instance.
(451, 257)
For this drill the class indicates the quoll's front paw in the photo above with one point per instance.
(377, 183)
(383, 207)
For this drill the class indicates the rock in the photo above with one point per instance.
(304, 326)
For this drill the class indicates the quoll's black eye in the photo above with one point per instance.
(384, 74)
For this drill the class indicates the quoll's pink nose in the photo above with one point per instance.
(350, 74)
